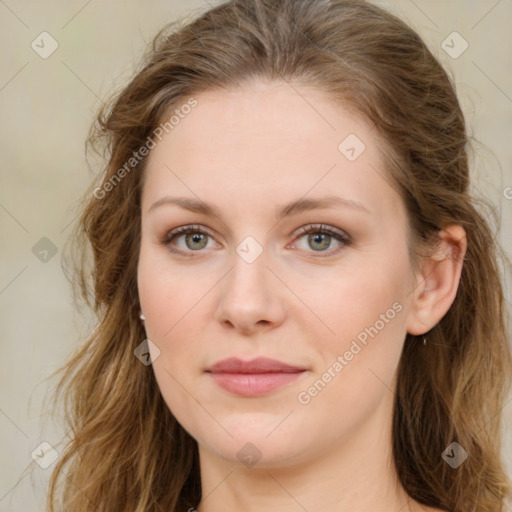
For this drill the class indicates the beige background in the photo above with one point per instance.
(46, 107)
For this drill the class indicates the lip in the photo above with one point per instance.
(258, 365)
(256, 377)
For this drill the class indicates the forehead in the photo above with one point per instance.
(266, 142)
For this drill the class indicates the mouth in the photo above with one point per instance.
(253, 378)
(254, 384)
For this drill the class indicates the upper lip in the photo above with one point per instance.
(258, 365)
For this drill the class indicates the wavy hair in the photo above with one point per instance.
(126, 452)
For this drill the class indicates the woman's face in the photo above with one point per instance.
(247, 283)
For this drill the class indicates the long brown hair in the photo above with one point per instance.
(126, 451)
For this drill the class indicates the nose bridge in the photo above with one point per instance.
(249, 274)
(249, 296)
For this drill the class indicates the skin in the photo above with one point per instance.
(249, 151)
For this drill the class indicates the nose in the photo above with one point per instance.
(250, 297)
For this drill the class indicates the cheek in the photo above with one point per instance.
(170, 324)
(357, 365)
(171, 304)
(165, 295)
(352, 301)
(365, 311)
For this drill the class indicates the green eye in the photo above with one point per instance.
(195, 239)
(319, 239)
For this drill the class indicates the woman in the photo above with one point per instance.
(300, 307)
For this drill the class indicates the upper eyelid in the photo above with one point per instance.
(298, 233)
(316, 226)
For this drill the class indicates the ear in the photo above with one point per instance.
(437, 281)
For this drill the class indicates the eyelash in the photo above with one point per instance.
(312, 228)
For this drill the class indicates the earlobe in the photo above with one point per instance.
(438, 281)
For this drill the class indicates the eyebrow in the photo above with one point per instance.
(293, 208)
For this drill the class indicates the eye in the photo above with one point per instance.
(195, 239)
(319, 238)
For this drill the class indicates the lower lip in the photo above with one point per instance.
(253, 384)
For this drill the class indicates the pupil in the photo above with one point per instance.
(318, 238)
(195, 238)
